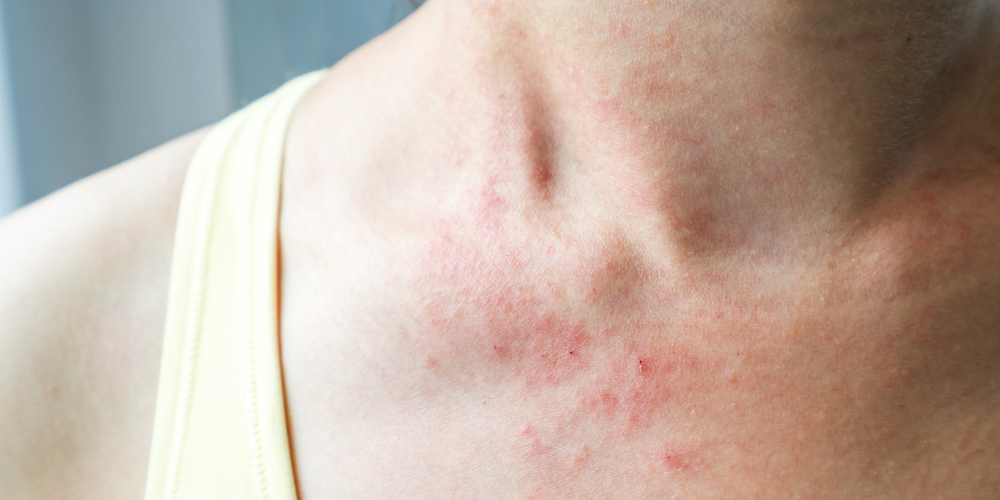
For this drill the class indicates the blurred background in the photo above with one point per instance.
(86, 84)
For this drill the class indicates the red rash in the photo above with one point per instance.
(630, 393)
(493, 206)
(677, 457)
(492, 312)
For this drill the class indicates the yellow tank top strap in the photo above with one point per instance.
(220, 430)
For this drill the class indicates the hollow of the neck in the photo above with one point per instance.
(734, 123)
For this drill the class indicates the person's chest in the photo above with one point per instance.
(442, 358)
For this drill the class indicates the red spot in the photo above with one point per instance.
(535, 446)
(867, 38)
(678, 457)
(645, 367)
(619, 28)
(763, 109)
(615, 276)
(541, 169)
(483, 315)
(582, 457)
(550, 349)
(492, 205)
(628, 404)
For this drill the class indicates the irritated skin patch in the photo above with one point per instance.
(586, 356)
(500, 340)
(573, 335)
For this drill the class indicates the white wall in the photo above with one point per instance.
(276, 40)
(48, 61)
(96, 82)
(10, 181)
(162, 70)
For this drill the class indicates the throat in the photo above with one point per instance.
(726, 128)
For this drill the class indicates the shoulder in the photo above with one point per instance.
(82, 304)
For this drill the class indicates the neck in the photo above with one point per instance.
(733, 122)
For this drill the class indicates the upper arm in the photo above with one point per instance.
(83, 281)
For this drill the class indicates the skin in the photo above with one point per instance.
(703, 250)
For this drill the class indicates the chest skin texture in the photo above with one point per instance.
(505, 347)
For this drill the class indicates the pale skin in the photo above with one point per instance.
(700, 249)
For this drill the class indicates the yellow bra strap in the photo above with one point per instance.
(220, 430)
